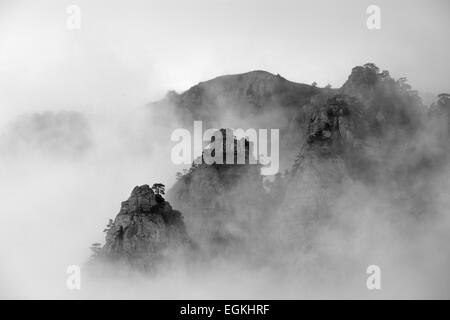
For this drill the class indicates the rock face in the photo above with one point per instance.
(222, 203)
(439, 114)
(365, 133)
(320, 173)
(144, 232)
(391, 107)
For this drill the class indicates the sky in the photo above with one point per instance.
(128, 53)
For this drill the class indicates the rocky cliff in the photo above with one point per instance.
(223, 204)
(146, 233)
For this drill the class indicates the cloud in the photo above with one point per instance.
(61, 134)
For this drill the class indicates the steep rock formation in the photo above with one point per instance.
(364, 134)
(392, 109)
(439, 115)
(222, 203)
(320, 173)
(145, 233)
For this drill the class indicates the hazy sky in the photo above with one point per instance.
(130, 52)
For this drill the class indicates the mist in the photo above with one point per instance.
(57, 197)
(78, 131)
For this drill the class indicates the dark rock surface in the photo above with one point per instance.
(222, 203)
(145, 232)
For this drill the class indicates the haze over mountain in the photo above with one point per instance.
(364, 164)
(362, 160)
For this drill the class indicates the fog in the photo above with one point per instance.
(57, 201)
(57, 198)
(77, 134)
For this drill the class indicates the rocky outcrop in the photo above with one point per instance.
(320, 173)
(223, 202)
(146, 233)
(364, 134)
(439, 114)
(392, 108)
